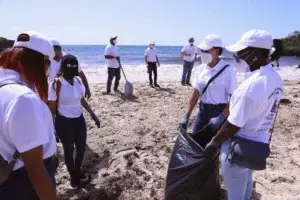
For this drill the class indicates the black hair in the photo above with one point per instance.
(277, 44)
(220, 50)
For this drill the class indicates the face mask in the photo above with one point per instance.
(241, 66)
(191, 43)
(115, 42)
(206, 58)
(151, 46)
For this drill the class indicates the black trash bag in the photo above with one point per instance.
(191, 175)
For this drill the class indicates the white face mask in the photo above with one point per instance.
(206, 58)
(241, 66)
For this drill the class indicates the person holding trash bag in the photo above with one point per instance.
(214, 84)
(245, 136)
(66, 100)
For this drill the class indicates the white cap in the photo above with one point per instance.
(253, 38)
(55, 42)
(36, 42)
(210, 41)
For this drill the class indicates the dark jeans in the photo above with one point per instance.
(72, 132)
(113, 73)
(18, 185)
(152, 67)
(187, 72)
(206, 112)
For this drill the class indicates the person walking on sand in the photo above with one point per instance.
(213, 108)
(189, 53)
(27, 143)
(151, 60)
(245, 136)
(66, 99)
(111, 55)
(54, 69)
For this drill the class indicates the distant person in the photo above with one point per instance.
(213, 107)
(253, 108)
(276, 52)
(151, 59)
(27, 141)
(66, 99)
(55, 67)
(111, 54)
(189, 53)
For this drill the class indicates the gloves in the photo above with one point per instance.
(211, 147)
(216, 122)
(184, 123)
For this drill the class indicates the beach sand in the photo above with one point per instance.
(128, 156)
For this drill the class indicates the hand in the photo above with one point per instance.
(184, 123)
(211, 147)
(87, 93)
(216, 122)
(97, 121)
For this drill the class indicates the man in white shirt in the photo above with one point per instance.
(111, 55)
(54, 69)
(189, 53)
(253, 108)
(151, 59)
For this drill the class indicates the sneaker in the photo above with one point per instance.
(189, 84)
(151, 85)
(156, 85)
(182, 83)
(83, 178)
(75, 181)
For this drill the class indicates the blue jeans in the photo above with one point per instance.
(187, 72)
(72, 132)
(237, 179)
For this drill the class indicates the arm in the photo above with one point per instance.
(52, 106)
(86, 84)
(193, 101)
(226, 132)
(109, 57)
(89, 110)
(37, 173)
(146, 60)
(157, 61)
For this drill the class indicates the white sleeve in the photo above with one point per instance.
(26, 125)
(195, 83)
(82, 88)
(232, 82)
(146, 52)
(183, 49)
(52, 92)
(240, 109)
(107, 51)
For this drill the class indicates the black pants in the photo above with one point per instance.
(72, 132)
(18, 185)
(152, 67)
(113, 73)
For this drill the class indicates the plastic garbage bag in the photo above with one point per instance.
(191, 175)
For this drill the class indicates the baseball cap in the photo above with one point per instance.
(35, 41)
(152, 42)
(253, 38)
(69, 61)
(55, 42)
(191, 39)
(210, 41)
(113, 37)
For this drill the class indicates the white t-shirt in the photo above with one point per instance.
(189, 50)
(69, 103)
(151, 54)
(54, 69)
(253, 105)
(112, 50)
(25, 120)
(219, 90)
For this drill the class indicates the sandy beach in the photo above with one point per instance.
(128, 156)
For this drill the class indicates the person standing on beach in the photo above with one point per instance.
(189, 53)
(111, 54)
(151, 60)
(213, 108)
(55, 67)
(66, 99)
(27, 142)
(253, 110)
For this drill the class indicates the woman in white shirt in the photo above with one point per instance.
(214, 101)
(245, 137)
(27, 141)
(66, 99)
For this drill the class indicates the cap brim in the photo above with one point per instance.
(236, 47)
(204, 46)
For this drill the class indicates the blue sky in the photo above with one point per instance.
(168, 22)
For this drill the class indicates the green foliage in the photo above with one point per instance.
(291, 44)
(2, 39)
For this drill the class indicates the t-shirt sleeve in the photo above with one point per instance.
(82, 88)
(52, 92)
(25, 123)
(232, 82)
(195, 83)
(107, 51)
(183, 49)
(241, 107)
(146, 52)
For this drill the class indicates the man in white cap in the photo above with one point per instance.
(55, 67)
(245, 136)
(111, 55)
(151, 60)
(189, 53)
